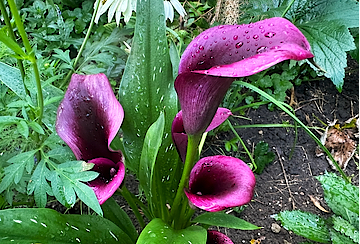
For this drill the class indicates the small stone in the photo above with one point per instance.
(275, 228)
(286, 242)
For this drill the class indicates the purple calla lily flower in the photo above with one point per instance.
(179, 135)
(216, 237)
(220, 182)
(88, 119)
(213, 60)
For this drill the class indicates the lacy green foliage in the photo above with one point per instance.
(324, 23)
(342, 227)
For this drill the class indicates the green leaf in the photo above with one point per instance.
(344, 227)
(146, 87)
(11, 77)
(305, 224)
(10, 43)
(62, 154)
(161, 233)
(23, 128)
(262, 156)
(30, 225)
(338, 238)
(152, 143)
(224, 220)
(341, 197)
(39, 185)
(14, 172)
(64, 56)
(329, 40)
(36, 127)
(113, 212)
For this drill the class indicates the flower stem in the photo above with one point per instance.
(31, 56)
(192, 156)
(243, 145)
(12, 35)
(67, 78)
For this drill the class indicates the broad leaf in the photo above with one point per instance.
(114, 213)
(224, 220)
(30, 225)
(338, 238)
(149, 154)
(305, 224)
(329, 40)
(341, 197)
(161, 233)
(146, 87)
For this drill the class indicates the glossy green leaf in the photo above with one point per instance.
(161, 233)
(149, 154)
(114, 213)
(329, 40)
(341, 197)
(23, 128)
(11, 77)
(305, 224)
(146, 87)
(30, 225)
(224, 220)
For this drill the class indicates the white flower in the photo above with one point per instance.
(119, 6)
(169, 9)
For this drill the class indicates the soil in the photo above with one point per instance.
(287, 184)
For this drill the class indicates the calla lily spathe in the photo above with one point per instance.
(219, 182)
(88, 119)
(179, 135)
(217, 56)
(216, 237)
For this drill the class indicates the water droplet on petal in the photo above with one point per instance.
(239, 44)
(261, 49)
(224, 38)
(195, 45)
(201, 47)
(206, 37)
(255, 37)
(270, 34)
(235, 37)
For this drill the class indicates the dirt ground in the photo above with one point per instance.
(287, 184)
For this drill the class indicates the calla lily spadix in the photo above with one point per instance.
(179, 135)
(219, 182)
(216, 237)
(216, 57)
(88, 119)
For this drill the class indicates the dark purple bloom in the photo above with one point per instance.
(88, 119)
(218, 55)
(220, 182)
(179, 135)
(216, 237)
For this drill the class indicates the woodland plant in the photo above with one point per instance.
(159, 144)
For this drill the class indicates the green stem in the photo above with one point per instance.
(243, 145)
(68, 76)
(12, 35)
(32, 58)
(249, 106)
(128, 197)
(287, 8)
(192, 155)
